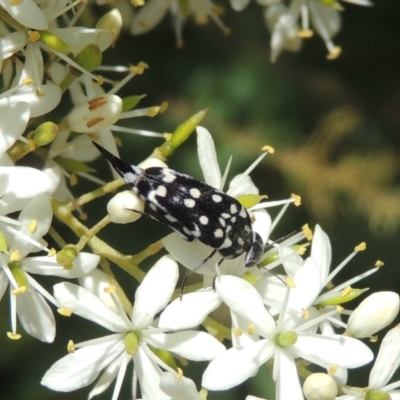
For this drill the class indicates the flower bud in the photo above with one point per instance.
(152, 162)
(90, 57)
(320, 387)
(67, 256)
(97, 113)
(45, 133)
(373, 314)
(112, 22)
(123, 206)
(54, 42)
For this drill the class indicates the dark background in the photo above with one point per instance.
(334, 125)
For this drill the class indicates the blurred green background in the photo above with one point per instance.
(335, 126)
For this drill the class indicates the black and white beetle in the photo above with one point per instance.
(193, 209)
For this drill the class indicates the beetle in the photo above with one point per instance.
(193, 209)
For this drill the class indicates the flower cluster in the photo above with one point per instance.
(283, 312)
(289, 22)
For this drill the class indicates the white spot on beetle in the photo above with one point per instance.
(168, 177)
(169, 217)
(195, 193)
(217, 198)
(234, 209)
(161, 191)
(189, 203)
(218, 233)
(203, 220)
(227, 243)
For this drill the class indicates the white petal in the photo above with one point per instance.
(12, 43)
(374, 313)
(37, 209)
(193, 345)
(49, 98)
(155, 291)
(291, 260)
(241, 185)
(208, 158)
(321, 251)
(36, 316)
(191, 311)
(81, 148)
(81, 368)
(262, 224)
(180, 388)
(149, 16)
(287, 384)
(236, 365)
(243, 298)
(27, 13)
(82, 265)
(149, 374)
(388, 359)
(307, 286)
(19, 184)
(109, 375)
(96, 282)
(191, 254)
(15, 117)
(87, 305)
(343, 351)
(239, 5)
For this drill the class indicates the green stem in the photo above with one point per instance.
(86, 198)
(127, 263)
(92, 232)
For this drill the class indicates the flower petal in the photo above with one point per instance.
(149, 374)
(107, 377)
(341, 350)
(321, 252)
(192, 310)
(36, 316)
(15, 117)
(87, 305)
(180, 388)
(243, 298)
(208, 158)
(43, 265)
(155, 291)
(387, 360)
(81, 368)
(191, 254)
(37, 209)
(287, 383)
(193, 345)
(236, 365)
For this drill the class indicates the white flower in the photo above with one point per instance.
(154, 11)
(285, 32)
(386, 364)
(131, 338)
(284, 29)
(282, 340)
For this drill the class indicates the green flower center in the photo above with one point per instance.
(285, 339)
